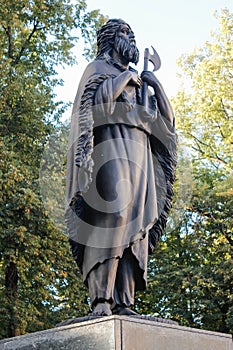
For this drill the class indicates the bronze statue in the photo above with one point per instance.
(121, 162)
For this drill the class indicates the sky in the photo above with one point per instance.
(173, 27)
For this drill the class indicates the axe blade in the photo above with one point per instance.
(154, 58)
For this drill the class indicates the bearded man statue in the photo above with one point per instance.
(120, 171)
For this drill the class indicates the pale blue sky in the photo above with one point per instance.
(173, 27)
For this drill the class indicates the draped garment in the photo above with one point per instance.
(120, 171)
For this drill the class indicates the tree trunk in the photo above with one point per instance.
(11, 283)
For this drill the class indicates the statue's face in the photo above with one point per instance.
(125, 43)
(126, 33)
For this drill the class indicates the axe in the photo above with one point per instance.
(155, 59)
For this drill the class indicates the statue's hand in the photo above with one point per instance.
(164, 105)
(149, 78)
(135, 80)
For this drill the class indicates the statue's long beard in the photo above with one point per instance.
(127, 50)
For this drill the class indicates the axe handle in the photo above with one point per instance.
(145, 85)
(145, 95)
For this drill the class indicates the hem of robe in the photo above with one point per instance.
(131, 245)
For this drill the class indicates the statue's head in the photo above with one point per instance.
(111, 35)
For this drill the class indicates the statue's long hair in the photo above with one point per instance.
(106, 36)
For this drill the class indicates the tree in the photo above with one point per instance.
(190, 276)
(205, 114)
(35, 263)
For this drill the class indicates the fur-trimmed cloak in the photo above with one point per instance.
(120, 171)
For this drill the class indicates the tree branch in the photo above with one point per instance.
(224, 110)
(215, 157)
(8, 32)
(221, 132)
(27, 41)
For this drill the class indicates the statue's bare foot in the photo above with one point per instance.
(102, 309)
(123, 310)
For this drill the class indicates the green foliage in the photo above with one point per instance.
(205, 114)
(190, 274)
(39, 285)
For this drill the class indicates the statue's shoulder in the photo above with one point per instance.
(94, 70)
(98, 67)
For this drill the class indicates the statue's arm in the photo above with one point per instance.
(163, 102)
(111, 88)
(121, 81)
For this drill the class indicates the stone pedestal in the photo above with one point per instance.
(120, 333)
